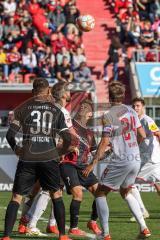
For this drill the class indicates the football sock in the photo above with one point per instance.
(135, 192)
(59, 212)
(94, 214)
(135, 209)
(10, 218)
(103, 214)
(52, 220)
(38, 207)
(74, 213)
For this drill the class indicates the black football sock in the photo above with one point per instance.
(10, 218)
(59, 212)
(94, 214)
(74, 213)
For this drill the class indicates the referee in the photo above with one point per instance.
(39, 121)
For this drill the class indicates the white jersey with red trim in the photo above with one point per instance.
(150, 148)
(67, 115)
(120, 124)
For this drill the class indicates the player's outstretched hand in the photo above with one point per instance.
(87, 170)
(19, 151)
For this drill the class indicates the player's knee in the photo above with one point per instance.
(124, 192)
(55, 195)
(17, 198)
(77, 193)
(93, 188)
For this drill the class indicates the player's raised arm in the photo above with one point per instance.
(104, 143)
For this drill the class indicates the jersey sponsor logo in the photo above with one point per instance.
(153, 127)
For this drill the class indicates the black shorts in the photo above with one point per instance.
(72, 177)
(28, 173)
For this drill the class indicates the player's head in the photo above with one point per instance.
(61, 91)
(40, 86)
(116, 92)
(138, 105)
(86, 109)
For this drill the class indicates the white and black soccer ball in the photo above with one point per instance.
(85, 23)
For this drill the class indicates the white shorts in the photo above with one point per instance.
(150, 172)
(123, 176)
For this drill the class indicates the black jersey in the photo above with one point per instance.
(86, 144)
(40, 120)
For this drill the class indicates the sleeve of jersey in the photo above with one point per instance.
(153, 126)
(61, 122)
(137, 121)
(68, 120)
(16, 122)
(107, 127)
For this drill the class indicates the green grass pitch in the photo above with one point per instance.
(120, 227)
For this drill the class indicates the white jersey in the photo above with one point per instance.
(67, 115)
(120, 124)
(150, 148)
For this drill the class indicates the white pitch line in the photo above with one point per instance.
(88, 235)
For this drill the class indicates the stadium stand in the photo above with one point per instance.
(36, 38)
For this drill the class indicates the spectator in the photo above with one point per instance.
(63, 53)
(76, 43)
(113, 58)
(29, 61)
(152, 55)
(9, 7)
(147, 35)
(13, 62)
(64, 72)
(58, 43)
(1, 30)
(140, 54)
(83, 73)
(48, 70)
(11, 28)
(3, 64)
(78, 58)
(58, 18)
(71, 16)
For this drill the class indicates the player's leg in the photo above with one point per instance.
(37, 209)
(49, 175)
(157, 187)
(91, 184)
(103, 210)
(52, 227)
(135, 192)
(92, 223)
(132, 170)
(26, 205)
(24, 179)
(70, 177)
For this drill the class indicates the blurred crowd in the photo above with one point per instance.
(138, 26)
(40, 38)
(137, 33)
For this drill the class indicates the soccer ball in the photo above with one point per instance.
(85, 22)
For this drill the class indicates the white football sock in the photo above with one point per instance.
(52, 220)
(37, 208)
(135, 192)
(103, 214)
(135, 209)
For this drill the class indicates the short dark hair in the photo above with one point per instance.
(39, 84)
(138, 99)
(116, 91)
(59, 89)
(89, 102)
